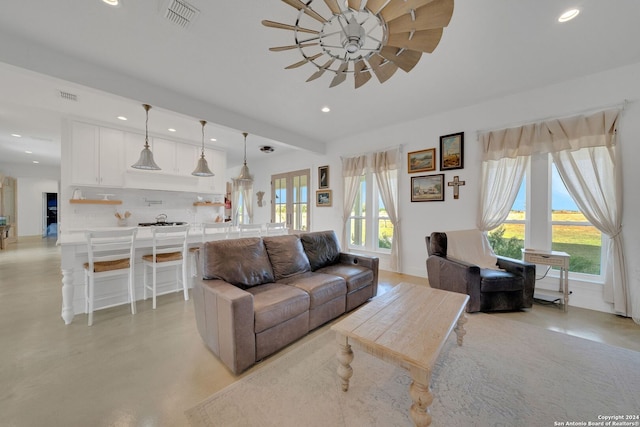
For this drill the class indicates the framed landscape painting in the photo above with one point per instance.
(427, 188)
(421, 161)
(452, 151)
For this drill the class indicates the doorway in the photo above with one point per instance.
(290, 199)
(50, 214)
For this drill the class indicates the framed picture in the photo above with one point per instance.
(323, 177)
(323, 198)
(452, 151)
(427, 188)
(421, 161)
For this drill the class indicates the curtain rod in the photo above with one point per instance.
(620, 105)
(398, 147)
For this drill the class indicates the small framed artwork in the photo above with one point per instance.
(323, 177)
(323, 198)
(452, 151)
(427, 188)
(421, 161)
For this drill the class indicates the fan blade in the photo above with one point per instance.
(301, 6)
(304, 61)
(321, 70)
(396, 8)
(272, 24)
(361, 75)
(436, 14)
(293, 46)
(405, 60)
(340, 75)
(333, 5)
(424, 41)
(374, 6)
(382, 71)
(355, 4)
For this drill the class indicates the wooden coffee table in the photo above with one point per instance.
(408, 327)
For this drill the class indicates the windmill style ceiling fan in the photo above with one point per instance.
(364, 36)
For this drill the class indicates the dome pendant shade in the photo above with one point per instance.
(202, 169)
(146, 160)
(245, 175)
(146, 156)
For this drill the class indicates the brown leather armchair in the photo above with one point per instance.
(489, 290)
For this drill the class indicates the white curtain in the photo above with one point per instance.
(584, 152)
(246, 189)
(594, 182)
(385, 167)
(352, 170)
(501, 180)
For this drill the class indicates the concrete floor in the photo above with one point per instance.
(147, 369)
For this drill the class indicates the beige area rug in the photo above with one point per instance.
(505, 374)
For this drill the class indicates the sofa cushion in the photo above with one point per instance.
(241, 262)
(320, 287)
(322, 248)
(499, 281)
(275, 303)
(356, 276)
(438, 244)
(286, 255)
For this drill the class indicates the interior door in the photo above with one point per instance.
(290, 199)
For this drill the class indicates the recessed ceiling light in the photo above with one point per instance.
(35, 161)
(171, 130)
(568, 15)
(28, 152)
(122, 118)
(213, 139)
(325, 109)
(16, 135)
(112, 2)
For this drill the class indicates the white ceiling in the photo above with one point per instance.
(220, 69)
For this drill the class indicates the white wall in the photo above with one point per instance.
(420, 219)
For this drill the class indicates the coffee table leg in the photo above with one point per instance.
(460, 332)
(345, 357)
(420, 393)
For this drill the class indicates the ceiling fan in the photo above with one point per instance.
(364, 36)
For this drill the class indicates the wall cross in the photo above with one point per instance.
(456, 183)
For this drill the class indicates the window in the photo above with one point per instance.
(290, 196)
(545, 216)
(369, 225)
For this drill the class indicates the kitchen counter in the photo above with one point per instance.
(109, 292)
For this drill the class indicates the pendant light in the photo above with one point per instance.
(202, 169)
(146, 156)
(245, 175)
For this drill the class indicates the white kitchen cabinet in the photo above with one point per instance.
(96, 155)
(174, 157)
(217, 161)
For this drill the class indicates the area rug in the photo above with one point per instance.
(506, 373)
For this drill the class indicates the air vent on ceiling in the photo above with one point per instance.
(266, 149)
(180, 13)
(68, 96)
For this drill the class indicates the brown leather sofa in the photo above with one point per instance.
(254, 296)
(510, 288)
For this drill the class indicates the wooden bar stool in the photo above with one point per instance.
(169, 250)
(110, 254)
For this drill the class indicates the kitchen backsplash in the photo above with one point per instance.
(143, 206)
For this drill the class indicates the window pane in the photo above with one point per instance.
(385, 233)
(583, 242)
(357, 228)
(508, 239)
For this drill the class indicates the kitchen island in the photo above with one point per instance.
(113, 291)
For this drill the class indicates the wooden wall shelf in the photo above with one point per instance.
(208, 204)
(95, 202)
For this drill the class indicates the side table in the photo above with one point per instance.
(553, 259)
